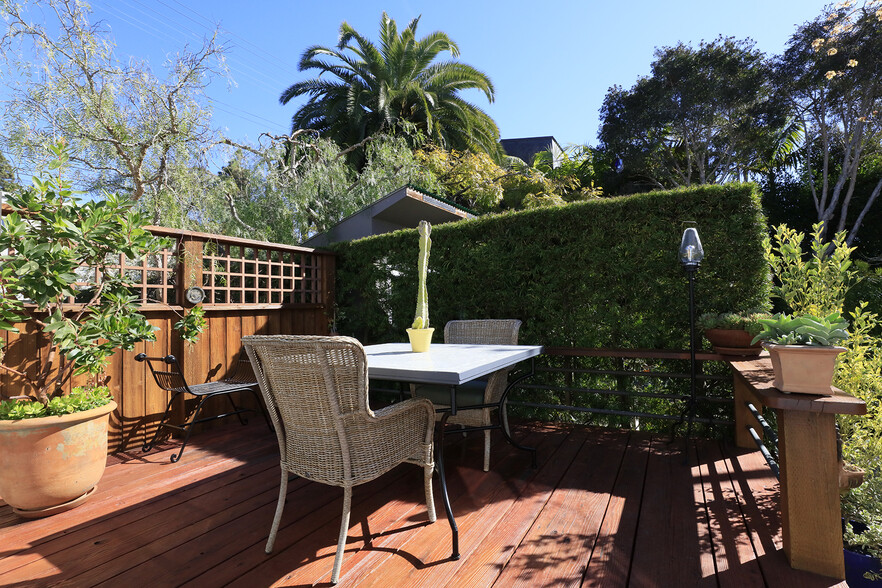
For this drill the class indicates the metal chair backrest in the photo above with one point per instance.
(170, 379)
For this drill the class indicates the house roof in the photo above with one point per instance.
(526, 147)
(402, 209)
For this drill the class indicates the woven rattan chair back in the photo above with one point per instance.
(316, 390)
(484, 332)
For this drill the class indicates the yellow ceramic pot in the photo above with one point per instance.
(420, 339)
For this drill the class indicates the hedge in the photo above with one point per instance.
(602, 273)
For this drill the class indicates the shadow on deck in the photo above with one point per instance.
(605, 507)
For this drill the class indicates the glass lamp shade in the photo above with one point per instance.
(691, 252)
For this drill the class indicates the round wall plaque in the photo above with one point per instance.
(194, 295)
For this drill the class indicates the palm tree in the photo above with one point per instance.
(362, 90)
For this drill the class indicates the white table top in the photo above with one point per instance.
(446, 364)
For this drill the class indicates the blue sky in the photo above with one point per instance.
(551, 63)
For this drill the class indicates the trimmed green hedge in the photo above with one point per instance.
(602, 273)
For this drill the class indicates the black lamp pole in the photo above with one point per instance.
(691, 254)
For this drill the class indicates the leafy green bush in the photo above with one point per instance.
(813, 282)
(601, 273)
(78, 400)
(57, 247)
(824, 279)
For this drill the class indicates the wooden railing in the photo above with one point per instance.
(252, 287)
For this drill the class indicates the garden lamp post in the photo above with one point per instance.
(691, 254)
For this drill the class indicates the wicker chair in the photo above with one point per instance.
(479, 332)
(316, 391)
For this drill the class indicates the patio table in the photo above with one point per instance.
(451, 365)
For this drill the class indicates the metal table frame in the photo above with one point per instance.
(452, 365)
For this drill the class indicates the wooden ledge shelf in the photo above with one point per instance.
(807, 452)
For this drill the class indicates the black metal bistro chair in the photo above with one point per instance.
(169, 377)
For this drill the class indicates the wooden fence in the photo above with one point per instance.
(251, 287)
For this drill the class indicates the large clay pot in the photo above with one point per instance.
(805, 369)
(732, 342)
(51, 464)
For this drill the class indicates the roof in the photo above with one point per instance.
(402, 209)
(526, 148)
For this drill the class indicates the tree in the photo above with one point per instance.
(362, 90)
(831, 74)
(126, 129)
(8, 182)
(302, 185)
(703, 116)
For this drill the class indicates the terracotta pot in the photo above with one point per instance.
(49, 462)
(804, 369)
(420, 339)
(732, 342)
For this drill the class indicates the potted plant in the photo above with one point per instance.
(419, 333)
(57, 276)
(803, 350)
(732, 333)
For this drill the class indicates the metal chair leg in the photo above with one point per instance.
(165, 416)
(262, 408)
(243, 421)
(454, 530)
(188, 428)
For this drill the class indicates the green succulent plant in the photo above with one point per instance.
(747, 321)
(783, 329)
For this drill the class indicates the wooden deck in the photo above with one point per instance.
(604, 508)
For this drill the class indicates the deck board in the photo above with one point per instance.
(604, 508)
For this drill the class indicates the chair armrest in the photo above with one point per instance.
(412, 408)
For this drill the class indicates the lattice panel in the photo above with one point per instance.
(153, 277)
(237, 274)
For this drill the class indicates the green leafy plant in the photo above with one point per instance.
(859, 372)
(191, 325)
(421, 320)
(822, 281)
(783, 329)
(80, 399)
(748, 321)
(59, 273)
(813, 284)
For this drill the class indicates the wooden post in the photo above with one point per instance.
(327, 285)
(810, 515)
(189, 273)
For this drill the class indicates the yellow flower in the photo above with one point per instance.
(832, 51)
(830, 74)
(816, 44)
(851, 62)
(879, 14)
